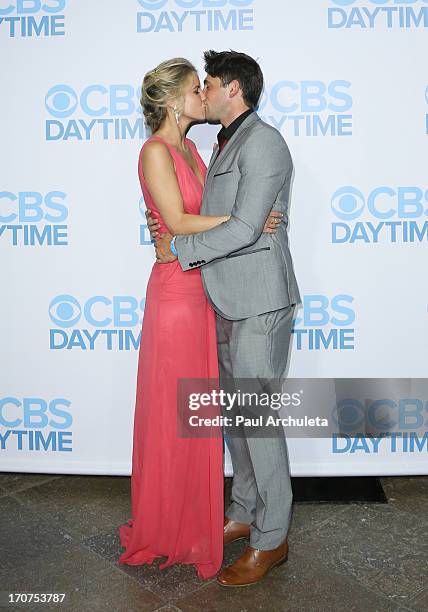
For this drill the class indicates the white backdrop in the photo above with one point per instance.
(345, 83)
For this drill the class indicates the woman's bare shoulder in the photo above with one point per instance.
(156, 152)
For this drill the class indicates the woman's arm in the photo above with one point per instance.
(161, 180)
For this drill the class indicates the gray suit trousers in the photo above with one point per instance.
(257, 348)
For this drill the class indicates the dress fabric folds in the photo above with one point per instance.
(176, 482)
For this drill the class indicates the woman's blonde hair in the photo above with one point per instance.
(164, 82)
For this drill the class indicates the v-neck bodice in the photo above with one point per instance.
(188, 182)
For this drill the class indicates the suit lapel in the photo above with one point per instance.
(217, 159)
(213, 156)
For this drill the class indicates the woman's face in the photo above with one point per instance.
(193, 107)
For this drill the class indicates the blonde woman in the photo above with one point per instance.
(177, 483)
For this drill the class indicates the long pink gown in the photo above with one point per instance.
(176, 483)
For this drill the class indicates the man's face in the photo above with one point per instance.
(215, 98)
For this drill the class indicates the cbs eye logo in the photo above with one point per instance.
(61, 101)
(349, 414)
(65, 311)
(347, 203)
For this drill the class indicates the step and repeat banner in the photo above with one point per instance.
(345, 83)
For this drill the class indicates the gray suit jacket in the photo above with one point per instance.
(245, 272)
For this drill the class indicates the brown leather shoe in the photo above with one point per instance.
(252, 566)
(234, 531)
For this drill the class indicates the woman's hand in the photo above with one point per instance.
(272, 222)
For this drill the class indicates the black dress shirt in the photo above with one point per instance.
(226, 134)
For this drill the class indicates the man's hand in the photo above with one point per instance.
(163, 249)
(272, 222)
(152, 224)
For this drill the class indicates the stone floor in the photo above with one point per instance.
(59, 534)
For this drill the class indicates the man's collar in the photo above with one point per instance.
(227, 133)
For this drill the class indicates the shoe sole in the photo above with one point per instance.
(277, 564)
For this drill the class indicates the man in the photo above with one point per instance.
(249, 280)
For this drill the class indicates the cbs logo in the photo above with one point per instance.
(381, 415)
(348, 203)
(95, 100)
(98, 311)
(33, 206)
(320, 310)
(307, 96)
(35, 412)
(30, 7)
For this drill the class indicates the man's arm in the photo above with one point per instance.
(264, 163)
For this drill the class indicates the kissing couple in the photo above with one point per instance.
(219, 305)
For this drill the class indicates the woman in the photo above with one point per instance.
(177, 482)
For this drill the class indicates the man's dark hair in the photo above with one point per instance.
(232, 65)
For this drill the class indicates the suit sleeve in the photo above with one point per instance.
(264, 165)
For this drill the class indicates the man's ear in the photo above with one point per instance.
(234, 88)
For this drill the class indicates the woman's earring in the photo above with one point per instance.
(177, 114)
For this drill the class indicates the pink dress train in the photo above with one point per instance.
(176, 483)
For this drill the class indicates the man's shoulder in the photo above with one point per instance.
(260, 130)
(263, 139)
